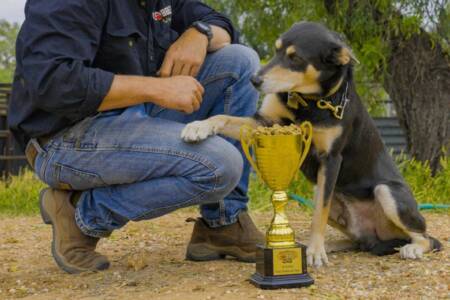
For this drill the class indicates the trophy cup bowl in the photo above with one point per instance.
(281, 262)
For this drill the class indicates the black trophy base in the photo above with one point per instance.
(281, 268)
(281, 282)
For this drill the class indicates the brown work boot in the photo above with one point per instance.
(73, 251)
(237, 240)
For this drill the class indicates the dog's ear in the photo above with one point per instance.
(340, 55)
(346, 56)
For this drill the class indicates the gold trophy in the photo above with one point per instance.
(279, 152)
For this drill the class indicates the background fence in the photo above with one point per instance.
(11, 156)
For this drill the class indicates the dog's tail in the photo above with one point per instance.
(391, 246)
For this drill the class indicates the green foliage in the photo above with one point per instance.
(19, 195)
(425, 187)
(8, 35)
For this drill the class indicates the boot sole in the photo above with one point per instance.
(209, 253)
(59, 260)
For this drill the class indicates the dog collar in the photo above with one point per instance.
(295, 100)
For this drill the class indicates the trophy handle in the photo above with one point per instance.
(307, 131)
(247, 141)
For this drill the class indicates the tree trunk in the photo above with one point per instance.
(418, 82)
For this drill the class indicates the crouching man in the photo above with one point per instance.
(101, 92)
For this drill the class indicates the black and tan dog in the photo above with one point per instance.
(358, 187)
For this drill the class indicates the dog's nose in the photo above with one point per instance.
(257, 81)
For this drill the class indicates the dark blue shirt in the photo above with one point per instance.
(69, 50)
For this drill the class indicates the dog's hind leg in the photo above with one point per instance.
(340, 245)
(400, 207)
(338, 220)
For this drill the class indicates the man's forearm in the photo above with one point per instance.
(128, 91)
(221, 38)
(182, 93)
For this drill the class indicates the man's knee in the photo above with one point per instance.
(228, 166)
(240, 57)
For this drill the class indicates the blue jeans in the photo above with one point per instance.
(132, 165)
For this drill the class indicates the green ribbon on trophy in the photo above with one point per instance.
(279, 153)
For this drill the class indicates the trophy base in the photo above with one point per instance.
(281, 282)
(281, 268)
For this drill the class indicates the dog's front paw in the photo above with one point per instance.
(316, 254)
(411, 251)
(197, 131)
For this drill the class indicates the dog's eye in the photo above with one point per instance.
(296, 59)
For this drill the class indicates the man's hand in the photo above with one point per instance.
(186, 55)
(182, 93)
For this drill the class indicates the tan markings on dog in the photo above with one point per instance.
(279, 79)
(279, 44)
(384, 196)
(334, 89)
(321, 213)
(273, 109)
(231, 126)
(345, 56)
(324, 137)
(290, 50)
(310, 84)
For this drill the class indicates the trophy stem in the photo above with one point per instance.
(280, 233)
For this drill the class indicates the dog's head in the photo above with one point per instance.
(309, 59)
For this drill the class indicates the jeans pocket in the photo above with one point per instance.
(69, 178)
(41, 158)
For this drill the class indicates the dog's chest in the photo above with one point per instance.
(324, 137)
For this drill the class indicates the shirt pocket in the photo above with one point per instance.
(164, 37)
(118, 51)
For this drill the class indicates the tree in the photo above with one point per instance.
(8, 35)
(414, 65)
(403, 46)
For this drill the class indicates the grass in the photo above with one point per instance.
(19, 195)
(426, 188)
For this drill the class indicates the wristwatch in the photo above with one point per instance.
(203, 28)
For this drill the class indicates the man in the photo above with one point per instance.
(100, 94)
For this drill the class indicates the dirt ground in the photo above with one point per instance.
(148, 263)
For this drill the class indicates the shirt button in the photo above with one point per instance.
(151, 57)
(130, 43)
(143, 3)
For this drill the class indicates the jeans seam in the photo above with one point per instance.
(221, 76)
(44, 167)
(223, 222)
(204, 162)
(227, 100)
(145, 215)
(86, 229)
